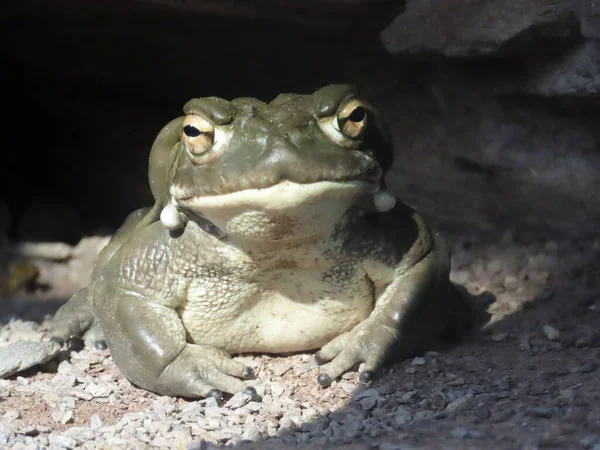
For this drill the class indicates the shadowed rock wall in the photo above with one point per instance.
(495, 111)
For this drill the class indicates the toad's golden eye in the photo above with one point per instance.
(352, 119)
(198, 134)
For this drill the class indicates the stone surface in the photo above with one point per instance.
(508, 124)
(22, 355)
(472, 27)
(500, 389)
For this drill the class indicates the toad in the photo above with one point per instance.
(272, 232)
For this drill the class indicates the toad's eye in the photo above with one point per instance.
(352, 120)
(198, 135)
(348, 125)
(191, 131)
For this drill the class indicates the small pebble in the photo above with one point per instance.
(460, 404)
(252, 433)
(511, 282)
(402, 416)
(95, 422)
(588, 367)
(464, 433)
(542, 412)
(499, 337)
(590, 440)
(552, 334)
(368, 403)
(63, 441)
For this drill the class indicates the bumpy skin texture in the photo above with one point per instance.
(269, 241)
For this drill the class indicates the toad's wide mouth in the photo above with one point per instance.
(229, 177)
(280, 196)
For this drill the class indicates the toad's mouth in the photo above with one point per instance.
(208, 181)
(280, 196)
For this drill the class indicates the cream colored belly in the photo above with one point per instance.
(285, 314)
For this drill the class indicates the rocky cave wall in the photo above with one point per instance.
(494, 106)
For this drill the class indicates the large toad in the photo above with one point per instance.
(271, 233)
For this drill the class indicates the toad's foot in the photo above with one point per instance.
(205, 371)
(369, 342)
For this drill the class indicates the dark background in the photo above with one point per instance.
(87, 88)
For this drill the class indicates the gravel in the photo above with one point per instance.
(528, 379)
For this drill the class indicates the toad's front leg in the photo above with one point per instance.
(148, 343)
(411, 313)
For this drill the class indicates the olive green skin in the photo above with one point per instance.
(279, 141)
(150, 282)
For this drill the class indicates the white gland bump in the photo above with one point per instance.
(171, 218)
(384, 201)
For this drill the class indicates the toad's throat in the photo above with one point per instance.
(286, 211)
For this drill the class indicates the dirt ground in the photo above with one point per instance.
(529, 379)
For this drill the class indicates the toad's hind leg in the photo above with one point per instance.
(73, 318)
(76, 317)
(148, 343)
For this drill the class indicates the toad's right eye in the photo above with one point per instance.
(198, 135)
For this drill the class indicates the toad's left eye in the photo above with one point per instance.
(348, 125)
(352, 119)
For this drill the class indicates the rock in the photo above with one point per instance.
(252, 433)
(495, 135)
(499, 337)
(460, 404)
(368, 403)
(95, 422)
(348, 388)
(577, 73)
(11, 414)
(23, 355)
(393, 446)
(588, 367)
(590, 440)
(462, 432)
(483, 413)
(543, 412)
(53, 251)
(473, 28)
(459, 381)
(62, 441)
(418, 361)
(552, 334)
(238, 400)
(402, 416)
(503, 416)
(439, 401)
(314, 426)
(511, 282)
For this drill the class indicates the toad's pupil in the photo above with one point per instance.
(357, 115)
(191, 131)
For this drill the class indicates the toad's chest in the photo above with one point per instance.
(276, 306)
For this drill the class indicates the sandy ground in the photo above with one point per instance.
(529, 379)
